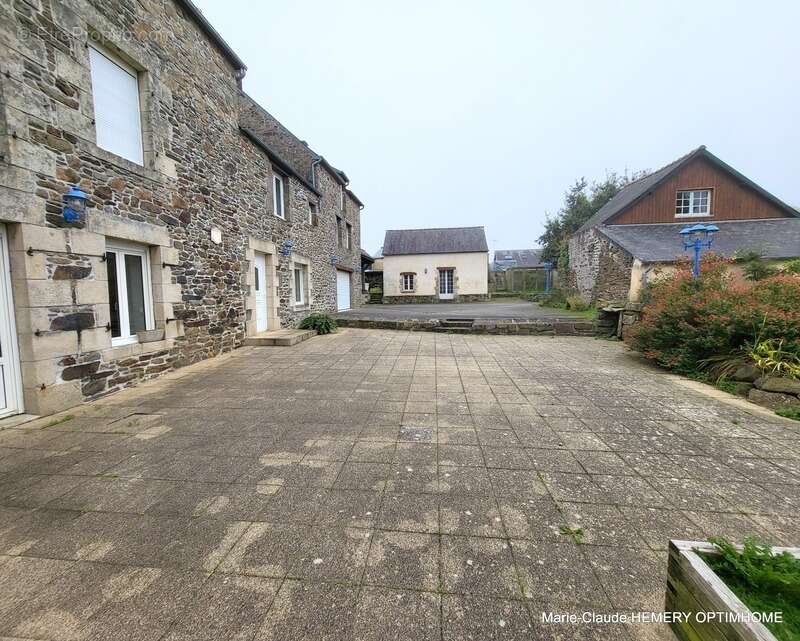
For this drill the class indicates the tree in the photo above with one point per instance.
(581, 201)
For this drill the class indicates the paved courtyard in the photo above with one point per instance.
(380, 485)
(502, 308)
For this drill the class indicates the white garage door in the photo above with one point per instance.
(342, 290)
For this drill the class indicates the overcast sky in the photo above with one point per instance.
(456, 113)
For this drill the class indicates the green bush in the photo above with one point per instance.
(776, 358)
(323, 323)
(687, 323)
(792, 266)
(556, 298)
(763, 580)
(576, 304)
(753, 265)
(792, 412)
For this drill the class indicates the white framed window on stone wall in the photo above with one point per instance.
(312, 213)
(407, 282)
(117, 111)
(348, 237)
(692, 203)
(300, 284)
(278, 196)
(130, 291)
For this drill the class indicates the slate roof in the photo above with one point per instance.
(207, 28)
(632, 192)
(510, 258)
(772, 237)
(447, 240)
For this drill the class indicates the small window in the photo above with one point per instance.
(339, 232)
(129, 291)
(312, 212)
(299, 285)
(348, 239)
(408, 282)
(693, 203)
(277, 196)
(117, 116)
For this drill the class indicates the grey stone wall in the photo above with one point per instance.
(200, 172)
(598, 268)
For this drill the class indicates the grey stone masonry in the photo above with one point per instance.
(200, 205)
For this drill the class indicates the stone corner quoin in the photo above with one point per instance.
(221, 223)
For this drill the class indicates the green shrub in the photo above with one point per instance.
(753, 265)
(555, 298)
(763, 580)
(576, 304)
(792, 412)
(773, 357)
(687, 322)
(792, 266)
(323, 323)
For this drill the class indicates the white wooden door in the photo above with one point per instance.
(446, 283)
(260, 284)
(10, 382)
(342, 290)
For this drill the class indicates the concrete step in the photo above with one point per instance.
(464, 323)
(279, 337)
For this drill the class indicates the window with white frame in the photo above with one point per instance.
(277, 196)
(117, 115)
(129, 291)
(300, 284)
(693, 203)
(312, 212)
(348, 237)
(408, 282)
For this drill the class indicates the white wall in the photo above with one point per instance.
(471, 273)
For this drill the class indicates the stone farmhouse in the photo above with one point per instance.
(435, 265)
(206, 221)
(634, 237)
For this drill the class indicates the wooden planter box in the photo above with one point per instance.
(694, 589)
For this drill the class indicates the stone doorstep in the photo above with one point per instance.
(279, 338)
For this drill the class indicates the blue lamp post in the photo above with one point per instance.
(548, 275)
(74, 205)
(697, 237)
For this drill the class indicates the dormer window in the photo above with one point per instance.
(693, 203)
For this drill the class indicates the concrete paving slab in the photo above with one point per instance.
(380, 485)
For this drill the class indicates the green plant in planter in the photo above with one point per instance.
(763, 580)
(322, 323)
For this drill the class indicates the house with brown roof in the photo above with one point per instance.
(635, 237)
(435, 265)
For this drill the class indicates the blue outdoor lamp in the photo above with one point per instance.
(548, 272)
(74, 205)
(697, 237)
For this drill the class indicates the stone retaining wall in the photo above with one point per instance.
(494, 327)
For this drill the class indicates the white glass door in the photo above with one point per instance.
(10, 383)
(446, 283)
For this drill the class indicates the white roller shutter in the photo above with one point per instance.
(115, 91)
